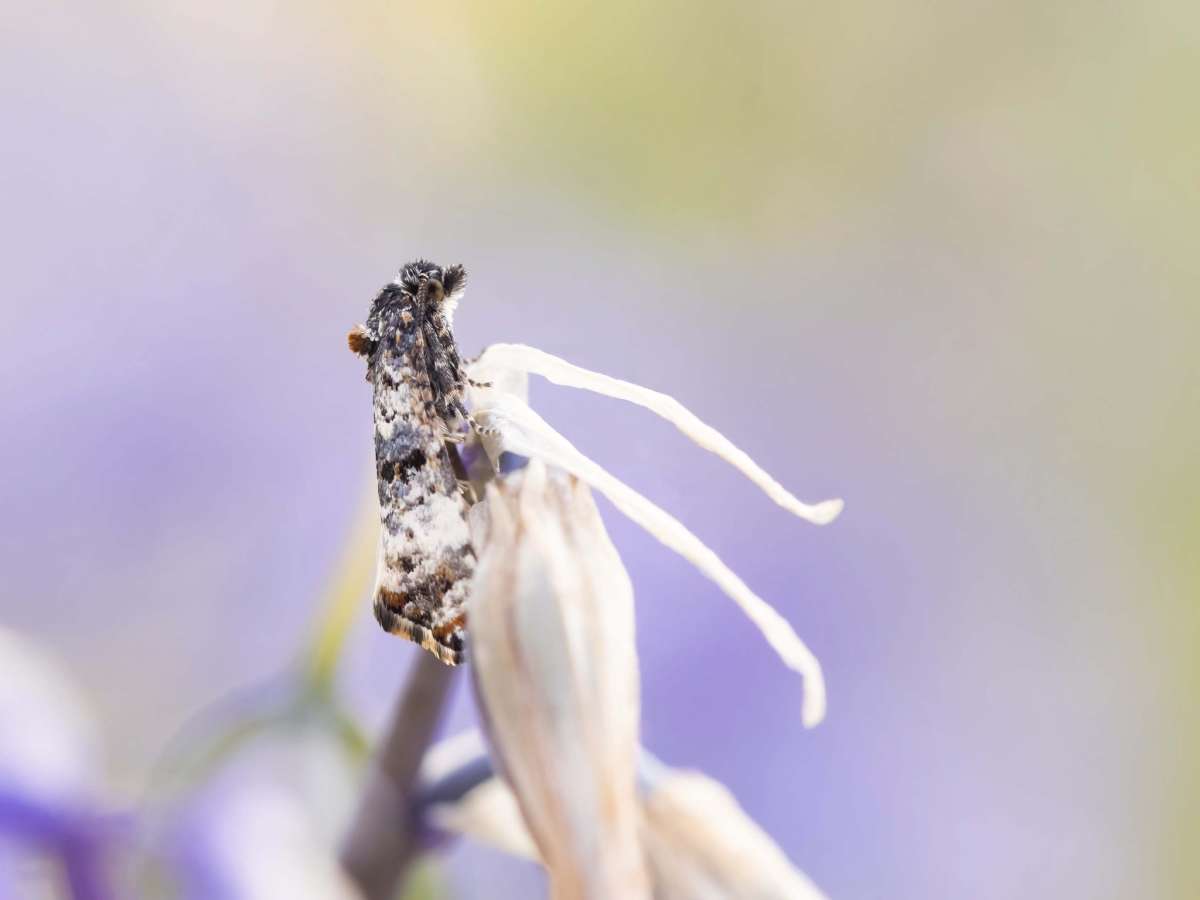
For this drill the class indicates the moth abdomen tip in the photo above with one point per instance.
(448, 648)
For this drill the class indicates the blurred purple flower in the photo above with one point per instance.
(266, 827)
(256, 842)
(254, 832)
(49, 752)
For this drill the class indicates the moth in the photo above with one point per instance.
(425, 559)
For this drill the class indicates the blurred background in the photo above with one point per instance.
(939, 260)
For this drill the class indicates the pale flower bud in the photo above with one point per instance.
(552, 647)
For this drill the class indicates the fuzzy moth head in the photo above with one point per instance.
(437, 283)
(420, 291)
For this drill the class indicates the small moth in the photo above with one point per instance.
(426, 558)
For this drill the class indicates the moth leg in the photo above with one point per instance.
(479, 384)
(482, 430)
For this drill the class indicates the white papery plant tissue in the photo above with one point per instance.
(555, 667)
(555, 671)
(510, 425)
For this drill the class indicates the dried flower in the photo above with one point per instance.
(515, 428)
(555, 668)
(698, 842)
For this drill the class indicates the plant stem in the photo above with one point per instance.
(383, 837)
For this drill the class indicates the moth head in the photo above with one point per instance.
(430, 283)
(420, 288)
(433, 287)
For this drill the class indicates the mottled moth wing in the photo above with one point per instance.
(425, 554)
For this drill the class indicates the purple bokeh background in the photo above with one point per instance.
(973, 338)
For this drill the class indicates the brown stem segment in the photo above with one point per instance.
(382, 839)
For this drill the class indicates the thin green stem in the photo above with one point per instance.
(343, 599)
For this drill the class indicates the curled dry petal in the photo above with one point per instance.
(500, 361)
(552, 644)
(489, 814)
(463, 796)
(518, 429)
(701, 845)
(698, 842)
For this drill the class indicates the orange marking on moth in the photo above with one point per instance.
(359, 341)
(393, 599)
(444, 631)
